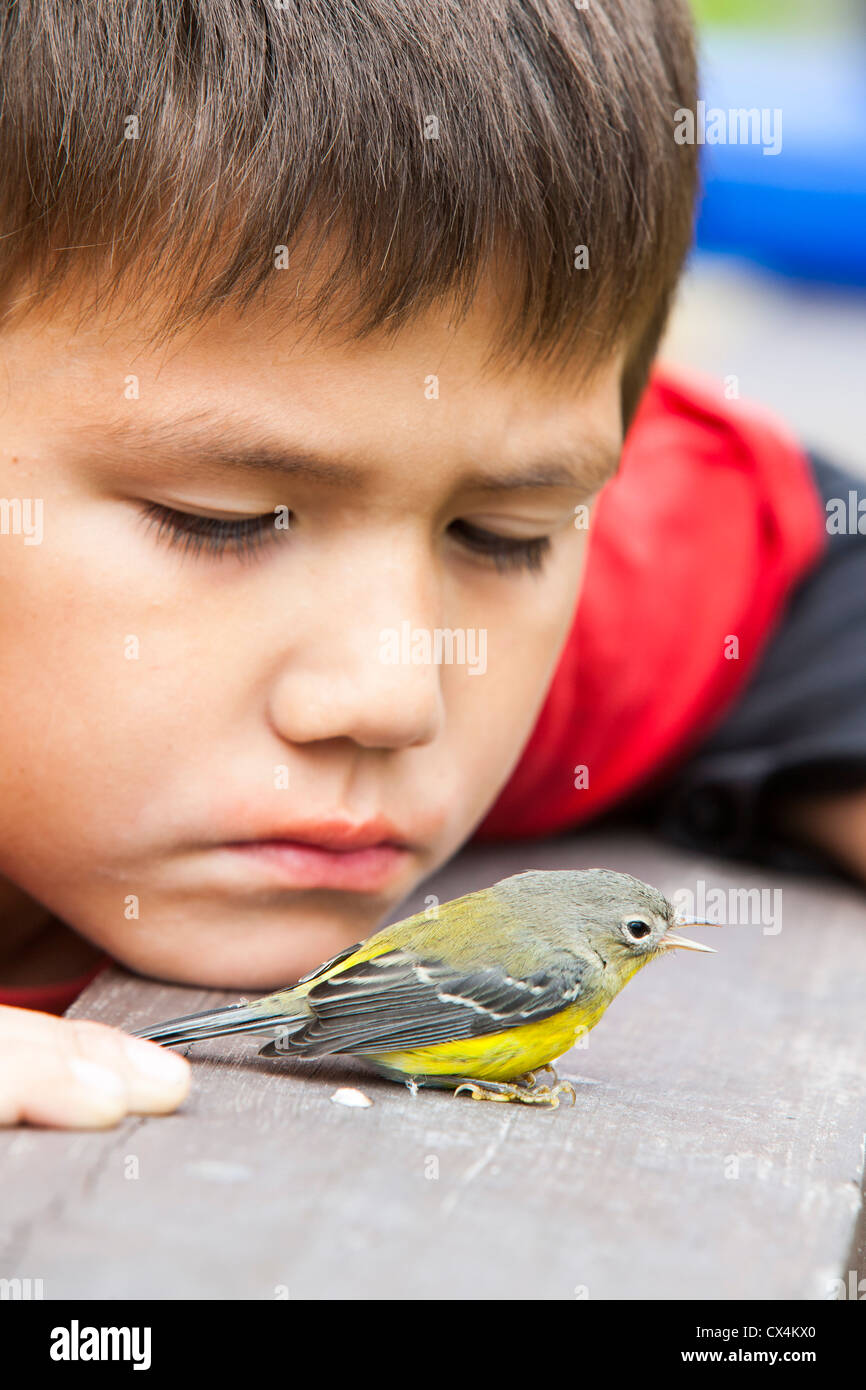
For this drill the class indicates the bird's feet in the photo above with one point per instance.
(527, 1089)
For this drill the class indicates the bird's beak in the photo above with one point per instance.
(696, 922)
(670, 941)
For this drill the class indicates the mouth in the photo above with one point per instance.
(340, 854)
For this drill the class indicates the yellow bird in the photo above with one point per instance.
(477, 995)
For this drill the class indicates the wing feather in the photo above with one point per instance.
(400, 1000)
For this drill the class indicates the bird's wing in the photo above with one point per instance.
(399, 1000)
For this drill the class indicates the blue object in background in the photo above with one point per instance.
(801, 212)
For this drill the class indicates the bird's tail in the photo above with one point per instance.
(259, 1016)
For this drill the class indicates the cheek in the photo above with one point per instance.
(491, 714)
(100, 697)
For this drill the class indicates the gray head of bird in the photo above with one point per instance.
(625, 921)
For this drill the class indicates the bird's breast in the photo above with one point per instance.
(498, 1056)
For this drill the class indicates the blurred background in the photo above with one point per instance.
(775, 291)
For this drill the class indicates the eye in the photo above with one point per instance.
(637, 930)
(189, 532)
(504, 552)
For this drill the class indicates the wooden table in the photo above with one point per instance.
(716, 1148)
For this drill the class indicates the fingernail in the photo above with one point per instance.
(156, 1063)
(97, 1078)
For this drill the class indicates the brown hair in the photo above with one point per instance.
(258, 120)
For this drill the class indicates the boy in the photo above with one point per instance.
(322, 331)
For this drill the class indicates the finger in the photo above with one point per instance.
(72, 1073)
(157, 1081)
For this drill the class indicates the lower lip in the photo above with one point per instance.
(299, 865)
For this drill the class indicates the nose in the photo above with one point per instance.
(345, 673)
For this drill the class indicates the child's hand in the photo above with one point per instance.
(74, 1074)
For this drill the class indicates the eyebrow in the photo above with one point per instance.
(212, 450)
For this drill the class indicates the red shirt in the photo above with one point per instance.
(696, 544)
(50, 999)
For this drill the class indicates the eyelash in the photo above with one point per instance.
(245, 536)
(506, 552)
(193, 534)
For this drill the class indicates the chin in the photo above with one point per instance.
(240, 967)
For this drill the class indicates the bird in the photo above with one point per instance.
(478, 995)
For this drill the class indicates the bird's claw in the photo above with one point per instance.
(524, 1089)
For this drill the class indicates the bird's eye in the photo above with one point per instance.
(637, 929)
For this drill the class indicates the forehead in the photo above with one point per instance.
(429, 388)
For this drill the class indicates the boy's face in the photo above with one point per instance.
(173, 711)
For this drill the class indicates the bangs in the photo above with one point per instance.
(202, 153)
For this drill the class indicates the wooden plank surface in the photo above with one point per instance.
(716, 1148)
